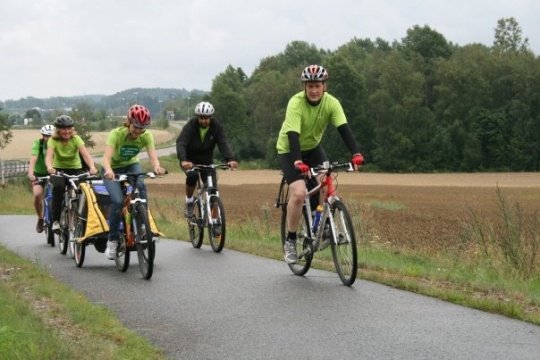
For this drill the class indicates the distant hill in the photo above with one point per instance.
(149, 97)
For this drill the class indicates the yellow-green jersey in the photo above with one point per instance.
(309, 121)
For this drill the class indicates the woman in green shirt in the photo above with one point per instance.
(63, 150)
(121, 149)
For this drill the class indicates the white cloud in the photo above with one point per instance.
(74, 47)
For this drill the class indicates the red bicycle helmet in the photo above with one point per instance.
(139, 116)
(314, 73)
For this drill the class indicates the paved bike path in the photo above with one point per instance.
(202, 305)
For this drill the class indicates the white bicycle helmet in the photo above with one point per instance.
(204, 108)
(47, 130)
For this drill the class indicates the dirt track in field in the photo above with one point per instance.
(409, 211)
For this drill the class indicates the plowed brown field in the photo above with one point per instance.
(409, 211)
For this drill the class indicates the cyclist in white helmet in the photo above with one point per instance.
(308, 114)
(37, 168)
(196, 144)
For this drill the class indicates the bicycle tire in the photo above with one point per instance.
(303, 242)
(122, 254)
(79, 247)
(64, 236)
(217, 242)
(146, 247)
(196, 228)
(343, 245)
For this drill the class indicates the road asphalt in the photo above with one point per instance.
(203, 305)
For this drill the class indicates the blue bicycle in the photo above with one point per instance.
(47, 215)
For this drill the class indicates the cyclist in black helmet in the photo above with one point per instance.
(63, 150)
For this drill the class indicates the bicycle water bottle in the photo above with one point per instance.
(317, 217)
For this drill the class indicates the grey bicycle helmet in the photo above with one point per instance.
(204, 108)
(47, 130)
(314, 73)
(63, 121)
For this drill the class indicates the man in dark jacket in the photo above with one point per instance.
(196, 144)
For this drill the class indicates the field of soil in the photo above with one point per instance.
(21, 143)
(409, 211)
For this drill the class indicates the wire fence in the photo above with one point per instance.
(14, 168)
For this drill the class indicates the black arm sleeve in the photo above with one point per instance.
(294, 145)
(348, 138)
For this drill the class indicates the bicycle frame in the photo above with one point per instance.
(209, 210)
(47, 213)
(131, 200)
(326, 181)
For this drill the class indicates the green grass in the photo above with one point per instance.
(43, 319)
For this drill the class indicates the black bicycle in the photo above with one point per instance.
(70, 204)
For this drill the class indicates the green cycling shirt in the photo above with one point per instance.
(309, 121)
(66, 156)
(126, 149)
(40, 150)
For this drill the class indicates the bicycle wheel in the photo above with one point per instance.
(344, 244)
(122, 254)
(63, 238)
(304, 248)
(146, 247)
(196, 229)
(79, 247)
(216, 232)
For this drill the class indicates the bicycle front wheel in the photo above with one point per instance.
(216, 231)
(344, 244)
(304, 248)
(79, 247)
(65, 235)
(122, 254)
(196, 228)
(146, 247)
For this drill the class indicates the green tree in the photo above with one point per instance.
(509, 37)
(5, 131)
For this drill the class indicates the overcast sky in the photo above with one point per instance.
(76, 47)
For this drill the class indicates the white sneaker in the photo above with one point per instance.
(56, 227)
(110, 252)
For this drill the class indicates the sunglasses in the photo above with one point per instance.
(139, 128)
(204, 117)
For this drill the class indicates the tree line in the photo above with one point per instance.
(422, 104)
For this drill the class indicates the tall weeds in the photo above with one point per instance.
(510, 241)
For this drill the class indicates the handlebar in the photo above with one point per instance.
(210, 166)
(127, 176)
(83, 176)
(327, 167)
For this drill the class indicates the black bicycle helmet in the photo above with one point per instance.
(63, 121)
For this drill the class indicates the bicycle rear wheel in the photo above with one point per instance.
(196, 228)
(216, 232)
(344, 244)
(304, 248)
(122, 254)
(146, 247)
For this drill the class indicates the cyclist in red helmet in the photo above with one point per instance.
(121, 149)
(308, 114)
